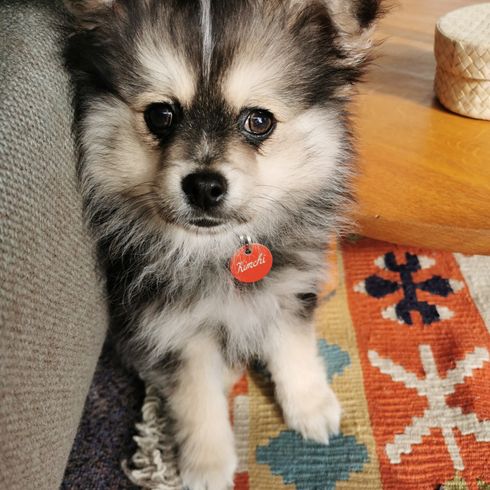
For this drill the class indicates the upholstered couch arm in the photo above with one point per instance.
(52, 313)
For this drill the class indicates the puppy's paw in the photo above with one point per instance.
(215, 476)
(208, 467)
(314, 413)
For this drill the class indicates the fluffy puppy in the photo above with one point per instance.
(200, 122)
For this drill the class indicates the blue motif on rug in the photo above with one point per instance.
(310, 465)
(335, 358)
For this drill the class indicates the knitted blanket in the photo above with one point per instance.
(405, 334)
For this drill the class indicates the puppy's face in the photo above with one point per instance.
(216, 115)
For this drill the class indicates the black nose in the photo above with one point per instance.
(204, 190)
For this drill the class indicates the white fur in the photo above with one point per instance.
(309, 405)
(199, 404)
(168, 71)
(246, 318)
(110, 135)
(313, 138)
(255, 81)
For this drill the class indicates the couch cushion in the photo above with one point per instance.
(52, 313)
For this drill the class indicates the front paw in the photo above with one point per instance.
(314, 412)
(205, 466)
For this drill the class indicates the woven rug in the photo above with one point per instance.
(405, 334)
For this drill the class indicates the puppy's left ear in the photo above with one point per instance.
(88, 12)
(353, 21)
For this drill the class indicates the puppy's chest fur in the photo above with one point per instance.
(162, 305)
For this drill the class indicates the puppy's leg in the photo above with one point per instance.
(309, 404)
(198, 402)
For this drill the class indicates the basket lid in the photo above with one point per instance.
(462, 42)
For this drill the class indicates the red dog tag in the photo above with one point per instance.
(251, 263)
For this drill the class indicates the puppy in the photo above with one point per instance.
(215, 165)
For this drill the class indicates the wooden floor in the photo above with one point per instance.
(425, 172)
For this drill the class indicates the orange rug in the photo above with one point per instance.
(405, 336)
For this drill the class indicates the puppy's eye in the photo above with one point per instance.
(159, 118)
(259, 123)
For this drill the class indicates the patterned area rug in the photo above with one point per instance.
(405, 334)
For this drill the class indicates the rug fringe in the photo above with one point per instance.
(154, 464)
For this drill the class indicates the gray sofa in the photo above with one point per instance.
(52, 314)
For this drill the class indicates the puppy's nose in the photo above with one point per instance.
(204, 190)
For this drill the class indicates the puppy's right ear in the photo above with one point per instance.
(87, 12)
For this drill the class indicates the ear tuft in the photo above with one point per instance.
(355, 21)
(354, 15)
(85, 11)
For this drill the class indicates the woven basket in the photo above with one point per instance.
(462, 49)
